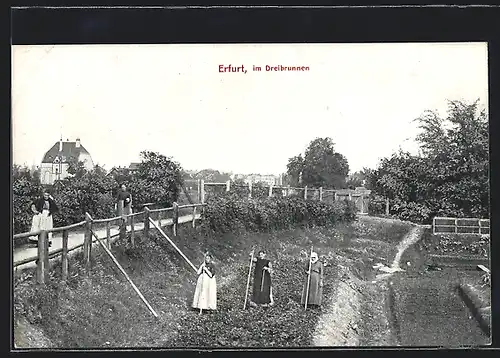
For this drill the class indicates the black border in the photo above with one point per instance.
(39, 25)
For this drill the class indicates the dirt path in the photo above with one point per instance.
(338, 326)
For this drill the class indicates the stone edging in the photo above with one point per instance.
(480, 309)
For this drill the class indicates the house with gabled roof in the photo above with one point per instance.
(56, 160)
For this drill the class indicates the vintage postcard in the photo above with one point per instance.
(209, 196)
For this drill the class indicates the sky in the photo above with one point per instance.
(172, 99)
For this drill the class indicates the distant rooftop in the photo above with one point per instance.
(69, 149)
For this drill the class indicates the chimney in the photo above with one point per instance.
(77, 145)
(60, 144)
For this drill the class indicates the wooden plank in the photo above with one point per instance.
(108, 234)
(132, 231)
(174, 245)
(64, 259)
(43, 257)
(115, 261)
(87, 243)
(484, 268)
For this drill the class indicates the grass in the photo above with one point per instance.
(87, 312)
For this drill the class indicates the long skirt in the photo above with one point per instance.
(205, 294)
(122, 209)
(42, 221)
(315, 291)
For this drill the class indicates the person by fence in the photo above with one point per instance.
(123, 201)
(43, 209)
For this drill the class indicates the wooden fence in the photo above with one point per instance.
(464, 226)
(198, 189)
(88, 225)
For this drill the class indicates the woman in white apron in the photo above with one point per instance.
(205, 294)
(43, 210)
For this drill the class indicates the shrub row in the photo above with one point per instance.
(230, 213)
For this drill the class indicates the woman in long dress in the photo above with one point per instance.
(123, 201)
(43, 210)
(315, 296)
(262, 293)
(205, 294)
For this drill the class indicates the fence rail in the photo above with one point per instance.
(360, 197)
(43, 255)
(460, 226)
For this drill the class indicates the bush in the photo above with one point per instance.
(25, 189)
(230, 213)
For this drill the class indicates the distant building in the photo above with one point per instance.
(259, 178)
(133, 167)
(55, 165)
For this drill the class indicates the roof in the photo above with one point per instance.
(69, 149)
(134, 166)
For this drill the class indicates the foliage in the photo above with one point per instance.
(76, 167)
(449, 177)
(157, 180)
(230, 213)
(320, 167)
(26, 188)
(92, 192)
(456, 245)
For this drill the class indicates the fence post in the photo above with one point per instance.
(456, 225)
(87, 243)
(305, 192)
(146, 222)
(202, 191)
(228, 185)
(479, 220)
(386, 206)
(42, 264)
(250, 189)
(194, 217)
(108, 234)
(335, 195)
(64, 258)
(123, 227)
(175, 217)
(434, 225)
(270, 190)
(321, 194)
(132, 230)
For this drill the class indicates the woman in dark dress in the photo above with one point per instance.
(123, 202)
(262, 293)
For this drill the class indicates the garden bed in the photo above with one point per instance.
(86, 312)
(460, 245)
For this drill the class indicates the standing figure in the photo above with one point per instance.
(43, 210)
(315, 283)
(205, 294)
(262, 288)
(123, 202)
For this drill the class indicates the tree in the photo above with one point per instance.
(320, 167)
(295, 168)
(449, 177)
(158, 180)
(76, 167)
(91, 192)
